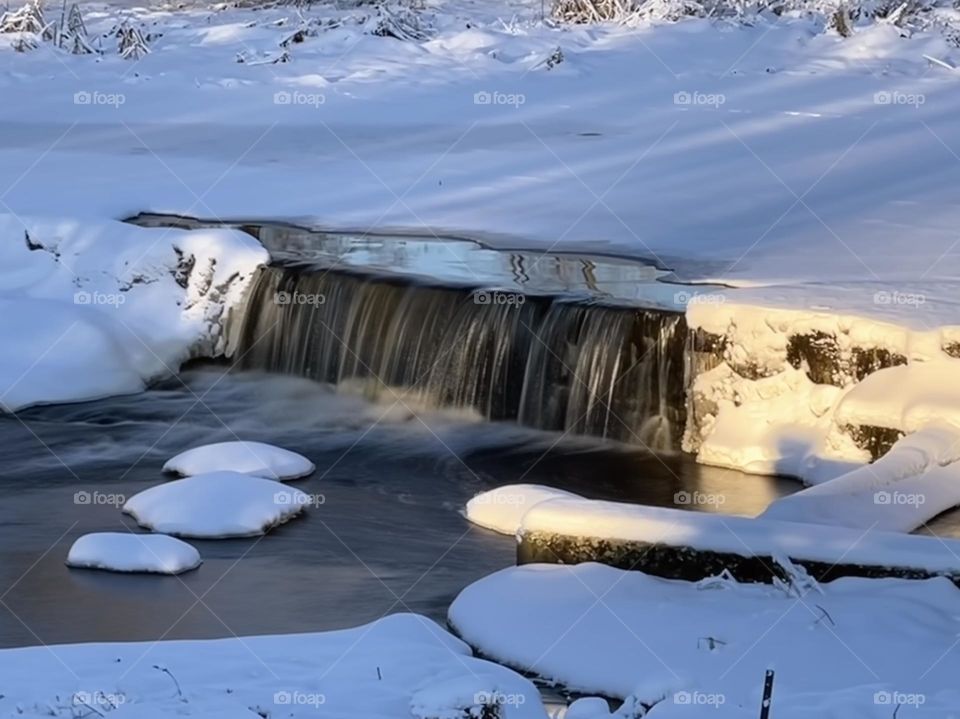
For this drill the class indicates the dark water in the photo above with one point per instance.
(389, 537)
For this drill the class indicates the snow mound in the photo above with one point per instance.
(96, 308)
(915, 481)
(502, 509)
(216, 505)
(371, 671)
(907, 397)
(126, 552)
(699, 649)
(254, 458)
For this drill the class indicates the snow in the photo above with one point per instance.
(253, 458)
(92, 308)
(375, 670)
(216, 505)
(502, 509)
(840, 650)
(907, 398)
(127, 552)
(782, 422)
(743, 536)
(915, 481)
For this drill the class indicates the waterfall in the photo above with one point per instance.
(552, 363)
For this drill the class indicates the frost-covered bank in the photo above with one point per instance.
(93, 308)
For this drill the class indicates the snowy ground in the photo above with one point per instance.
(403, 665)
(853, 648)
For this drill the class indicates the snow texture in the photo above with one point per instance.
(216, 505)
(374, 671)
(851, 648)
(915, 481)
(502, 509)
(90, 308)
(254, 458)
(128, 552)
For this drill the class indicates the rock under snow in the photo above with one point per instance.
(94, 308)
(915, 481)
(216, 505)
(502, 509)
(740, 536)
(128, 552)
(253, 458)
(851, 648)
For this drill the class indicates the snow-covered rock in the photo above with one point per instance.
(253, 458)
(740, 536)
(128, 552)
(216, 505)
(372, 671)
(92, 308)
(701, 649)
(502, 509)
(915, 481)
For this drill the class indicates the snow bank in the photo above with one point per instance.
(91, 308)
(741, 536)
(502, 509)
(372, 671)
(839, 651)
(254, 458)
(127, 552)
(216, 505)
(915, 481)
(805, 392)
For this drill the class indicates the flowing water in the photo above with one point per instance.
(389, 536)
(414, 373)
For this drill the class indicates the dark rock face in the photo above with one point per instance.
(690, 564)
(826, 363)
(875, 440)
(820, 354)
(952, 349)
